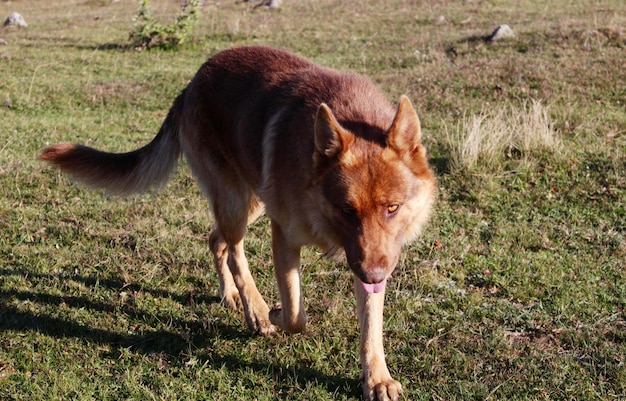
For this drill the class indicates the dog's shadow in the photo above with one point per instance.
(171, 343)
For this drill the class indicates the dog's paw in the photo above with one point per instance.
(292, 325)
(265, 328)
(231, 298)
(258, 320)
(387, 390)
(261, 326)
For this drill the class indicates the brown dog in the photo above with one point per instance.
(323, 152)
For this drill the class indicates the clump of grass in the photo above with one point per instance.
(486, 141)
(150, 33)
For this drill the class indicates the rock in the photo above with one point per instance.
(501, 32)
(440, 20)
(266, 3)
(3, 42)
(15, 19)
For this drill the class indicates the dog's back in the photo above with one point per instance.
(250, 94)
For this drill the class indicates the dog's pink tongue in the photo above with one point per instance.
(374, 288)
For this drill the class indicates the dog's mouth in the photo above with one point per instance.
(374, 288)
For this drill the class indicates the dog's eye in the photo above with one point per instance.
(348, 211)
(393, 208)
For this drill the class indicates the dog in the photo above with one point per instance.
(323, 153)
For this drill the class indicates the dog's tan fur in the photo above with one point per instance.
(326, 156)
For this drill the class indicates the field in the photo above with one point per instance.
(516, 290)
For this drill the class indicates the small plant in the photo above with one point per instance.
(149, 33)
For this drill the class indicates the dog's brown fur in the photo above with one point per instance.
(323, 152)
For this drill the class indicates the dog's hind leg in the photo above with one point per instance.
(377, 383)
(229, 294)
(233, 209)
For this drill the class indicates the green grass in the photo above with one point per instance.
(516, 291)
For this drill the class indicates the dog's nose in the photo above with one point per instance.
(374, 275)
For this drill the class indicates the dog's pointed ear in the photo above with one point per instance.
(330, 138)
(405, 132)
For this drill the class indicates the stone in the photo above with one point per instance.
(266, 3)
(440, 20)
(15, 19)
(500, 33)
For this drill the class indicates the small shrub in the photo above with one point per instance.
(149, 33)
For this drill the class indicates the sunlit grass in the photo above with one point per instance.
(484, 142)
(516, 290)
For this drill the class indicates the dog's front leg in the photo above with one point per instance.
(290, 316)
(376, 380)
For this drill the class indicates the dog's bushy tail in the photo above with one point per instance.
(123, 173)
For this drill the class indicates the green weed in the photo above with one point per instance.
(148, 33)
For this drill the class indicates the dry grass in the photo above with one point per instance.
(484, 142)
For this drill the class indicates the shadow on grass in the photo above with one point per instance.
(175, 342)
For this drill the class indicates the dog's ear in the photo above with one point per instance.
(405, 132)
(330, 138)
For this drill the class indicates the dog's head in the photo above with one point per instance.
(377, 193)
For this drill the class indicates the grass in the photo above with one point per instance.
(516, 291)
(483, 141)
